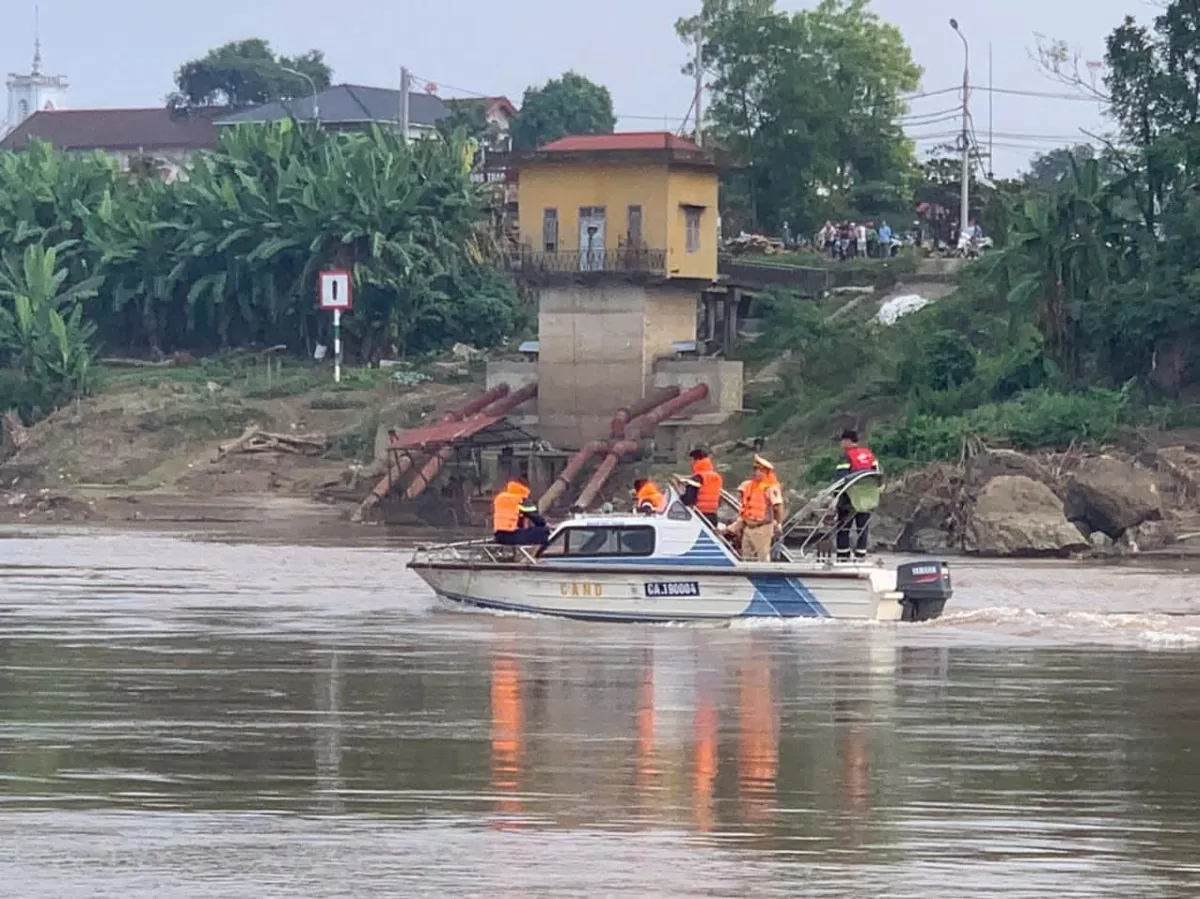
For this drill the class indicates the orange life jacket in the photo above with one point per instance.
(756, 507)
(652, 495)
(709, 499)
(506, 507)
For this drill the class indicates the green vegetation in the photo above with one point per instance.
(567, 105)
(810, 102)
(1085, 323)
(91, 257)
(248, 73)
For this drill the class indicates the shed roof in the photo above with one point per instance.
(479, 430)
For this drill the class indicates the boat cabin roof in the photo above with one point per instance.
(675, 534)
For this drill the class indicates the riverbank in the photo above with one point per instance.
(285, 452)
(205, 443)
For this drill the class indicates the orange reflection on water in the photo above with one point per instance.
(507, 733)
(758, 739)
(645, 768)
(705, 773)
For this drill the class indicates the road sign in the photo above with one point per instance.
(335, 293)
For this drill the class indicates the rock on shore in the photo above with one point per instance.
(1002, 503)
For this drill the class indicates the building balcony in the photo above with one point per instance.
(627, 261)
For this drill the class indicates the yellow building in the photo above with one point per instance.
(642, 202)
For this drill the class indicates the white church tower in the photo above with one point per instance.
(34, 92)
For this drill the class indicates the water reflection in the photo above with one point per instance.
(507, 733)
(277, 721)
(758, 737)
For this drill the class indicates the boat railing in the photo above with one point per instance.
(477, 552)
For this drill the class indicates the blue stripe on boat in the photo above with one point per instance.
(777, 596)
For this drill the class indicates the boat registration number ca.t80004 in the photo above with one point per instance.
(661, 589)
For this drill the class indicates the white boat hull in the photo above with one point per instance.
(769, 591)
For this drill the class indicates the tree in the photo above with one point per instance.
(42, 331)
(568, 105)
(247, 73)
(810, 102)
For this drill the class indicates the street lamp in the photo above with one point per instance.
(964, 209)
(313, 84)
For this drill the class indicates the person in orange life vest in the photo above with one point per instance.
(515, 520)
(648, 499)
(708, 501)
(761, 516)
(856, 459)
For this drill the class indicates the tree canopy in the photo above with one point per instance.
(568, 105)
(811, 104)
(247, 73)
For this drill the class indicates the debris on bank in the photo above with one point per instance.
(897, 307)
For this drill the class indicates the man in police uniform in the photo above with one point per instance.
(761, 516)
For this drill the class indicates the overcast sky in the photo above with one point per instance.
(124, 52)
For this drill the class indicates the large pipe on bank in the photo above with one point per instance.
(568, 474)
(397, 468)
(434, 466)
(580, 460)
(648, 403)
(642, 426)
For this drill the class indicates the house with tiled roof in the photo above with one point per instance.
(168, 137)
(349, 107)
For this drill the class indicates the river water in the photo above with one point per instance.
(216, 718)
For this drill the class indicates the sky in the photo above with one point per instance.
(124, 52)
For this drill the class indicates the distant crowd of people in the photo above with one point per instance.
(851, 240)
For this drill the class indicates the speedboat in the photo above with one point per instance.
(672, 567)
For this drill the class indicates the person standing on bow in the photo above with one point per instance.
(854, 505)
(761, 517)
(708, 498)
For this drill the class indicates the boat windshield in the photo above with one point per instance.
(582, 542)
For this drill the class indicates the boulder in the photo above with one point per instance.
(1149, 536)
(989, 464)
(1112, 496)
(1017, 516)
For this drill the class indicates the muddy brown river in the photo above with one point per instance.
(199, 717)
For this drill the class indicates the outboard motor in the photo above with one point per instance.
(926, 587)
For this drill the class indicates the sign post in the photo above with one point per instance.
(335, 295)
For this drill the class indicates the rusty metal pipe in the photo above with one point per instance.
(433, 467)
(645, 425)
(397, 467)
(615, 452)
(568, 474)
(642, 426)
(646, 404)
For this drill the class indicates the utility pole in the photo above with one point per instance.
(405, 89)
(965, 209)
(991, 169)
(699, 99)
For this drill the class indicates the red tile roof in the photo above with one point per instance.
(118, 129)
(622, 140)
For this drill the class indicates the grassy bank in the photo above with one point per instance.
(960, 372)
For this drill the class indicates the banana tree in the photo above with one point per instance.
(43, 334)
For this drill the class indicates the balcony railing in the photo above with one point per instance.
(624, 260)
